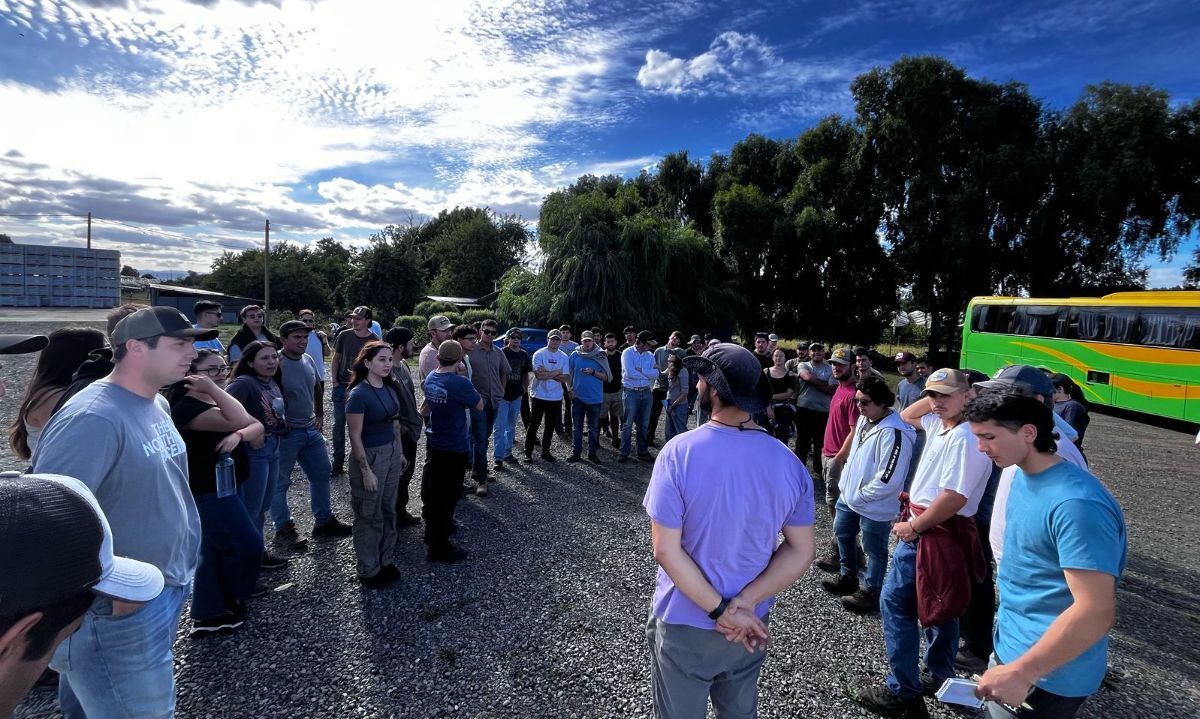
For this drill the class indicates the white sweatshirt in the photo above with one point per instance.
(873, 477)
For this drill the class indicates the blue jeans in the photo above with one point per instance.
(637, 412)
(592, 412)
(902, 634)
(259, 488)
(231, 550)
(121, 666)
(306, 445)
(676, 421)
(481, 430)
(506, 428)
(875, 536)
(339, 424)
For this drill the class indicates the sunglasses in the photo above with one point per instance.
(490, 333)
(863, 402)
(217, 371)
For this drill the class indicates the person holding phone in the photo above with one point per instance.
(214, 425)
(376, 461)
(589, 372)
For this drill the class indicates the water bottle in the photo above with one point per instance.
(226, 478)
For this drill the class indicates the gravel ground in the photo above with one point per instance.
(546, 618)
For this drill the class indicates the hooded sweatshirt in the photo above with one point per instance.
(873, 477)
(98, 365)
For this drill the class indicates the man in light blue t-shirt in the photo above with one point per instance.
(1064, 549)
(208, 317)
(589, 372)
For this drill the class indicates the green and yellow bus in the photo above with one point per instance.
(1131, 350)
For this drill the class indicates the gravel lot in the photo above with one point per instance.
(546, 618)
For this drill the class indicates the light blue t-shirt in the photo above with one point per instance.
(214, 344)
(1059, 519)
(588, 388)
(126, 449)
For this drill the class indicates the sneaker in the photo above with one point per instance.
(594, 458)
(270, 561)
(864, 601)
(549, 458)
(499, 466)
(338, 470)
(574, 458)
(968, 662)
(842, 585)
(404, 519)
(286, 537)
(831, 563)
(529, 456)
(623, 459)
(879, 699)
(331, 529)
(511, 459)
(447, 555)
(481, 490)
(260, 590)
(379, 580)
(225, 621)
(616, 442)
(645, 458)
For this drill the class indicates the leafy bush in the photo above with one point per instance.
(416, 323)
(476, 315)
(429, 308)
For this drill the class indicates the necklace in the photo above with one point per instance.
(740, 426)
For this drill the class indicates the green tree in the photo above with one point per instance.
(387, 276)
(331, 260)
(127, 271)
(1191, 273)
(295, 284)
(750, 237)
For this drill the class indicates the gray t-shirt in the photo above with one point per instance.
(299, 389)
(126, 449)
(908, 391)
(660, 360)
(810, 397)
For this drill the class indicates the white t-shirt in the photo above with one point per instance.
(314, 351)
(951, 460)
(1066, 449)
(555, 361)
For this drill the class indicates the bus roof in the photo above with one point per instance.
(1145, 298)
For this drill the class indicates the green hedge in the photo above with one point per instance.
(473, 316)
(429, 308)
(416, 323)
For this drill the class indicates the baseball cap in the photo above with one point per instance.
(695, 339)
(645, 336)
(905, 357)
(22, 344)
(57, 543)
(291, 326)
(762, 335)
(554, 335)
(158, 322)
(842, 355)
(816, 346)
(587, 335)
(450, 350)
(361, 311)
(1022, 377)
(515, 332)
(772, 337)
(945, 381)
(439, 322)
(734, 372)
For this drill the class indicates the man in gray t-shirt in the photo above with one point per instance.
(303, 443)
(816, 387)
(116, 436)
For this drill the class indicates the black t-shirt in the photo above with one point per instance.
(519, 365)
(263, 400)
(786, 383)
(347, 346)
(614, 372)
(202, 447)
(764, 360)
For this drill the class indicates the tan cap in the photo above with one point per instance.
(587, 335)
(450, 350)
(439, 322)
(946, 381)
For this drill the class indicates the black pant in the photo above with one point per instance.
(408, 445)
(567, 423)
(525, 414)
(975, 625)
(441, 486)
(810, 435)
(551, 410)
(781, 427)
(656, 408)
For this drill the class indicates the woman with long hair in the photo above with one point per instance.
(781, 411)
(1071, 405)
(258, 384)
(213, 425)
(66, 350)
(376, 461)
(677, 392)
(253, 321)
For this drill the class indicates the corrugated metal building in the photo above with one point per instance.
(52, 276)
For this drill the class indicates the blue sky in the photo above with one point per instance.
(192, 121)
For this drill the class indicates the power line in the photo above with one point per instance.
(36, 214)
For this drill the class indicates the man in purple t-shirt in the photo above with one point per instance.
(717, 500)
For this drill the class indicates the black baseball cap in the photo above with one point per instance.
(22, 344)
(158, 322)
(57, 544)
(645, 336)
(734, 372)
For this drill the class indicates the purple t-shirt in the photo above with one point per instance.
(731, 492)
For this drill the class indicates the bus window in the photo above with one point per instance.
(991, 318)
(1036, 321)
(1087, 324)
(1119, 324)
(1165, 328)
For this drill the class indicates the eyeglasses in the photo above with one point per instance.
(490, 333)
(863, 402)
(217, 371)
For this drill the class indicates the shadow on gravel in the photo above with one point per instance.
(1158, 611)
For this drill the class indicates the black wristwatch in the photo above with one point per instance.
(716, 613)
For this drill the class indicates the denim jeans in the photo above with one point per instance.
(676, 421)
(637, 414)
(231, 550)
(121, 666)
(258, 490)
(506, 428)
(482, 422)
(902, 634)
(875, 536)
(580, 411)
(306, 445)
(339, 424)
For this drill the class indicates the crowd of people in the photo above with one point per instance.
(917, 481)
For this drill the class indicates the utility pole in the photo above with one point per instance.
(89, 246)
(267, 274)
